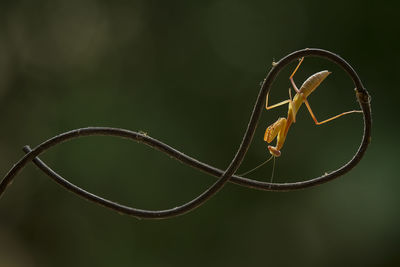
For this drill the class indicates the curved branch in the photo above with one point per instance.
(224, 176)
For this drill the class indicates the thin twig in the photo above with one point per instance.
(224, 176)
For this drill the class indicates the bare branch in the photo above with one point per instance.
(223, 176)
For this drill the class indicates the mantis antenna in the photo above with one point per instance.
(258, 166)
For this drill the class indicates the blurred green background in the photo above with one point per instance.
(188, 74)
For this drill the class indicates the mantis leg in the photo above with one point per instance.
(290, 101)
(274, 129)
(276, 105)
(277, 130)
(291, 76)
(291, 106)
(330, 119)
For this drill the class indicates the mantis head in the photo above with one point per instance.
(274, 152)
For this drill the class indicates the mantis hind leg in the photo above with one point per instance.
(330, 119)
(291, 76)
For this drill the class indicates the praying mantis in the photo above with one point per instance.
(280, 128)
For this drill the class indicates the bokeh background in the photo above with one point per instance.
(188, 74)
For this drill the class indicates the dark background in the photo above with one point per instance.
(188, 74)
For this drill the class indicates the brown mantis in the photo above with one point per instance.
(280, 128)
